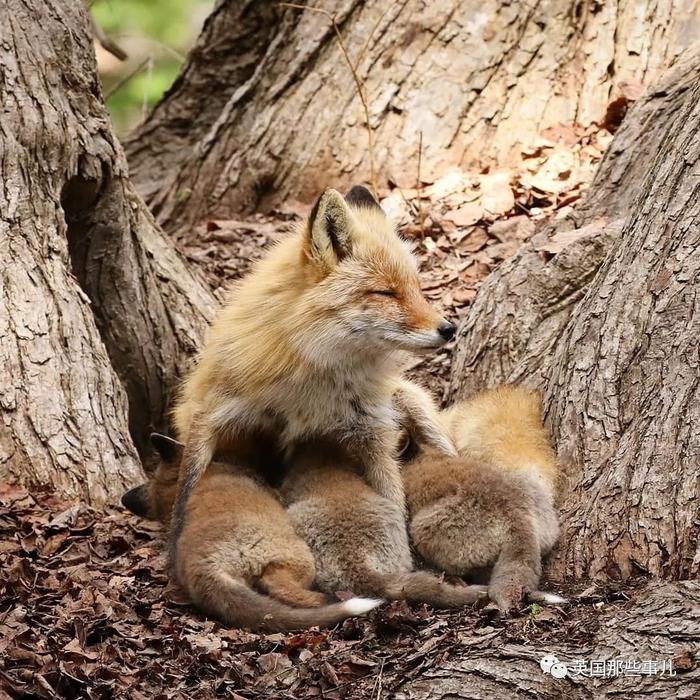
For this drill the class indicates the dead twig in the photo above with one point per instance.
(105, 42)
(378, 685)
(365, 46)
(119, 85)
(419, 186)
(358, 84)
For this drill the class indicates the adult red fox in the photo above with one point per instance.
(311, 345)
(237, 537)
(492, 507)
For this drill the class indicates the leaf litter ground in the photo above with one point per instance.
(86, 611)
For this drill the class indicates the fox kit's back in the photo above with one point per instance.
(239, 558)
(358, 537)
(492, 506)
(502, 427)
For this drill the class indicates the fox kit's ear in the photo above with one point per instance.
(170, 450)
(329, 234)
(137, 501)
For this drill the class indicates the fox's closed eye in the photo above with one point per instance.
(383, 292)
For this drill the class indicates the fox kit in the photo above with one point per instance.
(236, 534)
(491, 507)
(310, 345)
(358, 537)
(503, 428)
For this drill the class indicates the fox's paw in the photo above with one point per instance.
(442, 444)
(506, 596)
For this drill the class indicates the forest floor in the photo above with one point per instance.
(87, 612)
(85, 605)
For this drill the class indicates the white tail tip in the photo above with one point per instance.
(360, 606)
(549, 598)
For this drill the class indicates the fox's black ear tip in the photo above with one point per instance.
(136, 500)
(360, 196)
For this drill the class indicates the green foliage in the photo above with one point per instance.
(534, 611)
(159, 30)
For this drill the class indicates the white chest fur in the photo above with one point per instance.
(318, 403)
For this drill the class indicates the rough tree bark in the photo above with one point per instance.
(602, 312)
(267, 109)
(98, 314)
(661, 624)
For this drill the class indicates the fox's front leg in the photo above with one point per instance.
(382, 470)
(198, 453)
(422, 418)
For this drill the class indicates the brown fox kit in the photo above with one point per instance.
(235, 535)
(491, 507)
(310, 345)
(358, 537)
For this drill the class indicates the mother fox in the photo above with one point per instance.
(310, 345)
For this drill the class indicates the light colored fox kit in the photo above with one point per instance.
(503, 428)
(492, 507)
(358, 537)
(236, 536)
(310, 345)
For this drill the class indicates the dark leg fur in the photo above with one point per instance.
(198, 453)
(518, 568)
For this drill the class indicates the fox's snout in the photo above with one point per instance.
(443, 331)
(427, 329)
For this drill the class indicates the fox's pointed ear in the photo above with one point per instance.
(329, 229)
(170, 450)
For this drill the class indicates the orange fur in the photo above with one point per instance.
(310, 345)
(502, 427)
(491, 507)
(237, 537)
(358, 538)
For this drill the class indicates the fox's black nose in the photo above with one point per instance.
(447, 330)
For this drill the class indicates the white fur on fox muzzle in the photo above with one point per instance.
(423, 341)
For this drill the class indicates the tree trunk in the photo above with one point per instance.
(98, 314)
(267, 109)
(602, 312)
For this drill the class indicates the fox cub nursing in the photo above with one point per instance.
(491, 507)
(236, 535)
(309, 347)
(358, 538)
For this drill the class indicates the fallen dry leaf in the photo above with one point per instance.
(496, 193)
(466, 215)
